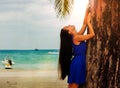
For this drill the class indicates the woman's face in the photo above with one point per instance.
(70, 28)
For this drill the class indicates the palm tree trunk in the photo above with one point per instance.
(103, 54)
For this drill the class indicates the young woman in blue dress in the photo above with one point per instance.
(72, 56)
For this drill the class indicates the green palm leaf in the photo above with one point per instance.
(63, 7)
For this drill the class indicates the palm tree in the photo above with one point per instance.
(103, 53)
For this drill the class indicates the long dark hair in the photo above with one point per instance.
(65, 53)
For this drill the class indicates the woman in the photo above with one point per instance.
(73, 43)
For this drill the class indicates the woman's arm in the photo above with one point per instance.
(90, 29)
(82, 30)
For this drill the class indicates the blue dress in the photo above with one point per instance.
(77, 72)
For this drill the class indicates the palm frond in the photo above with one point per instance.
(63, 7)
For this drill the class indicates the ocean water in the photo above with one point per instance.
(31, 59)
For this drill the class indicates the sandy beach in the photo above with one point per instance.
(13, 78)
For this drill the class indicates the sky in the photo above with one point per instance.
(30, 24)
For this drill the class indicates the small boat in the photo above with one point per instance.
(36, 49)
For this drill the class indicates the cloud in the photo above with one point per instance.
(15, 1)
(35, 12)
(24, 24)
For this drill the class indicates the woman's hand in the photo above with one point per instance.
(85, 18)
(89, 18)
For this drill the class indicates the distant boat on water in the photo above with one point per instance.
(36, 49)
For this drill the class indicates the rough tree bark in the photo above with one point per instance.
(103, 55)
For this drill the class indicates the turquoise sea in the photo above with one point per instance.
(31, 59)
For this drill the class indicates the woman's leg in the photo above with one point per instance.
(74, 85)
(69, 85)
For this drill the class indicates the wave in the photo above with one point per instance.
(53, 52)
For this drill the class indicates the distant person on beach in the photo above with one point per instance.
(8, 62)
(72, 56)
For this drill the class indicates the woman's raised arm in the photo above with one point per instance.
(90, 29)
(82, 30)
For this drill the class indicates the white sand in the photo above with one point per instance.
(12, 78)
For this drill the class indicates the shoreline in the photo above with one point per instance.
(25, 73)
